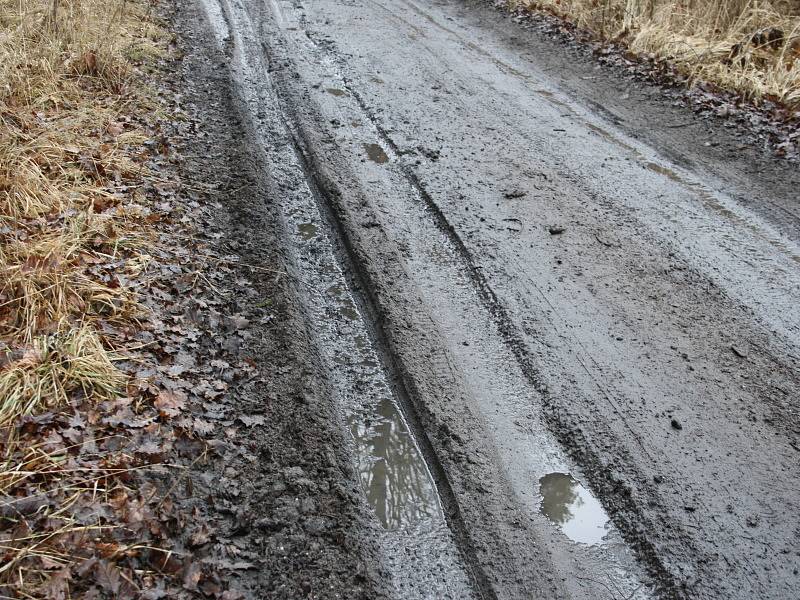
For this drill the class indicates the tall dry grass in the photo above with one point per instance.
(65, 73)
(750, 46)
(71, 237)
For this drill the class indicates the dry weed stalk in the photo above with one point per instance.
(751, 46)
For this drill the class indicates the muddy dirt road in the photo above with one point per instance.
(558, 316)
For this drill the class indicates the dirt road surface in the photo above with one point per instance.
(556, 317)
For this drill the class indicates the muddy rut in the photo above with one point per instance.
(560, 335)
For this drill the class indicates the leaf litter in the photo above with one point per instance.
(103, 306)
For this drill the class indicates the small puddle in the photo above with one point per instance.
(573, 508)
(336, 290)
(336, 92)
(348, 311)
(307, 230)
(666, 172)
(393, 474)
(376, 153)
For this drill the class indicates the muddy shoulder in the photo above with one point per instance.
(268, 499)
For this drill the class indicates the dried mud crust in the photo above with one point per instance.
(267, 505)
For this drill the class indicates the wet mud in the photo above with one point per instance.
(513, 296)
(376, 154)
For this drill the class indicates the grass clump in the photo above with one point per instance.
(53, 369)
(749, 46)
(72, 237)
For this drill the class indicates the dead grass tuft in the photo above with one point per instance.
(57, 273)
(71, 248)
(53, 369)
(750, 46)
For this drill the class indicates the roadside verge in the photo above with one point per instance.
(164, 431)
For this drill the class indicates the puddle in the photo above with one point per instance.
(668, 173)
(573, 508)
(307, 230)
(336, 290)
(336, 92)
(393, 474)
(376, 153)
(348, 311)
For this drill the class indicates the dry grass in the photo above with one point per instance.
(70, 243)
(749, 46)
(64, 88)
(53, 369)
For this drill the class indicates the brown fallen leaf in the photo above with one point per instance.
(202, 427)
(49, 564)
(165, 562)
(114, 128)
(200, 536)
(249, 421)
(89, 60)
(192, 576)
(13, 508)
(110, 578)
(170, 404)
(211, 589)
(57, 586)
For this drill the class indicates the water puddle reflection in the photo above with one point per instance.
(307, 231)
(376, 153)
(573, 508)
(393, 474)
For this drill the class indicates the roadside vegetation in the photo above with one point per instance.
(74, 255)
(748, 46)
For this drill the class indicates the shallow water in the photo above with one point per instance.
(573, 508)
(393, 474)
